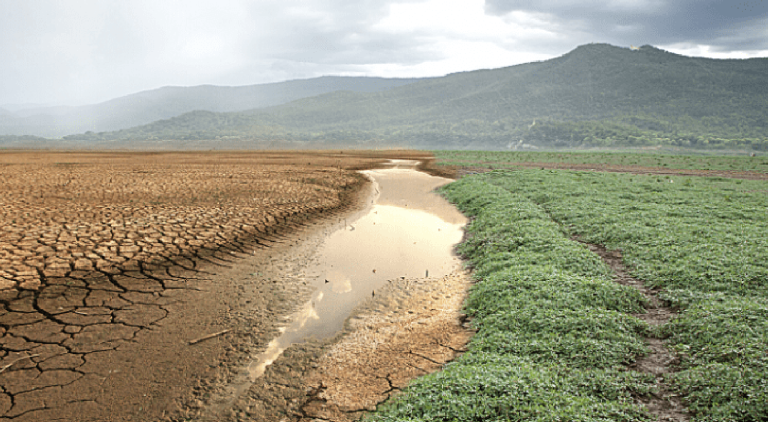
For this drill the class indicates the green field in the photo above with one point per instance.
(555, 335)
(512, 159)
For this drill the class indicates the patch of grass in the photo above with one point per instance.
(519, 286)
(703, 240)
(554, 332)
(723, 344)
(510, 159)
(487, 386)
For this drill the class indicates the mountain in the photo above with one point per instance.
(595, 95)
(163, 103)
(32, 142)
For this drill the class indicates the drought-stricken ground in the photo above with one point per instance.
(125, 293)
(413, 329)
(114, 214)
(107, 265)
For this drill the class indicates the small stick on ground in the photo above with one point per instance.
(17, 360)
(209, 336)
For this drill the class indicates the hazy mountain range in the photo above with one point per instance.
(597, 95)
(148, 106)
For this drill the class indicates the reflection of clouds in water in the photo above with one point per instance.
(340, 283)
(300, 319)
(409, 189)
(408, 232)
(265, 359)
(306, 314)
(342, 286)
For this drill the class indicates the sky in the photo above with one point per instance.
(78, 52)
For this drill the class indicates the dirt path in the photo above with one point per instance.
(665, 405)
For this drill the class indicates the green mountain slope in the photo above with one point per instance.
(163, 103)
(596, 95)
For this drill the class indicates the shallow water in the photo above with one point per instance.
(407, 231)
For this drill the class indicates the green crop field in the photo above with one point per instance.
(511, 159)
(556, 337)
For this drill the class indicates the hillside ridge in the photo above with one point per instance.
(170, 101)
(597, 95)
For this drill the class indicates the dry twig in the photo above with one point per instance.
(17, 360)
(209, 336)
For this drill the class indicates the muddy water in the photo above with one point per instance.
(406, 231)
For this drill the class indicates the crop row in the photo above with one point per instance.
(705, 243)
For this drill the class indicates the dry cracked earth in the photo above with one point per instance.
(108, 263)
(134, 285)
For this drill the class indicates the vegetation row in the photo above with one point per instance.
(555, 333)
(511, 159)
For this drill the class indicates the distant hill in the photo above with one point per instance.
(595, 95)
(163, 103)
(29, 141)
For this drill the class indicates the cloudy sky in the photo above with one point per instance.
(86, 51)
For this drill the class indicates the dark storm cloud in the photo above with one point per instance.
(81, 51)
(331, 33)
(725, 25)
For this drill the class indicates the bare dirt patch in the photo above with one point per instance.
(108, 267)
(412, 330)
(409, 329)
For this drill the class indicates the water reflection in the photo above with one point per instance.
(407, 232)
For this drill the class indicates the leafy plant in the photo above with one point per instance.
(554, 331)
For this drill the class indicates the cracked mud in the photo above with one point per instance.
(108, 262)
(412, 331)
(408, 325)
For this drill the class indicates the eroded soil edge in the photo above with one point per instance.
(410, 328)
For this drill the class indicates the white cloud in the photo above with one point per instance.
(701, 50)
(93, 50)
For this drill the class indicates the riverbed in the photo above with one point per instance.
(391, 268)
